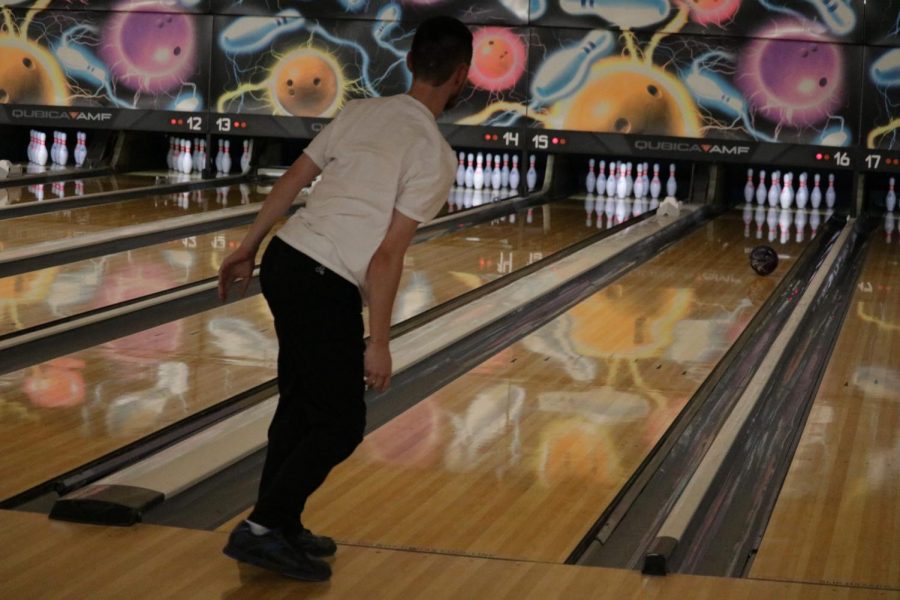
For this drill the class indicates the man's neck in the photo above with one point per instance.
(433, 99)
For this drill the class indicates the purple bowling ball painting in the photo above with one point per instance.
(141, 56)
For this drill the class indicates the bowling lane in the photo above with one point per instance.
(76, 187)
(838, 515)
(63, 224)
(519, 457)
(65, 412)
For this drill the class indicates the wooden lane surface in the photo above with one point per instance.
(38, 297)
(47, 559)
(73, 188)
(519, 457)
(63, 224)
(65, 412)
(838, 516)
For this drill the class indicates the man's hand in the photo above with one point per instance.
(378, 365)
(237, 268)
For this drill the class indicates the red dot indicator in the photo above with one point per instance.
(181, 121)
(555, 141)
(819, 156)
(173, 122)
(563, 141)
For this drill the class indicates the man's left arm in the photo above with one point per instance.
(382, 281)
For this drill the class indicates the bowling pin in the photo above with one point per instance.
(478, 176)
(671, 183)
(62, 153)
(749, 188)
(889, 226)
(655, 183)
(830, 195)
(187, 162)
(488, 171)
(226, 158)
(589, 209)
(802, 192)
(496, 175)
(761, 191)
(774, 190)
(786, 197)
(531, 175)
(80, 148)
(621, 183)
(629, 180)
(504, 174)
(246, 156)
(600, 184)
(514, 174)
(54, 148)
(890, 201)
(590, 181)
(567, 69)
(470, 171)
(29, 152)
(41, 153)
(461, 170)
(639, 184)
(815, 198)
(218, 159)
(612, 183)
(646, 179)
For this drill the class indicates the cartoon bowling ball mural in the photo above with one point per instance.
(29, 74)
(151, 52)
(629, 97)
(795, 78)
(498, 59)
(306, 83)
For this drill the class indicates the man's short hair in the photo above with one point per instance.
(440, 45)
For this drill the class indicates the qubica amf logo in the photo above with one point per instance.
(61, 115)
(693, 147)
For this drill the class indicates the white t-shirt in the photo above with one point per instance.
(378, 155)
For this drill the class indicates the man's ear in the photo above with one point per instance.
(462, 73)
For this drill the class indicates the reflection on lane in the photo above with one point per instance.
(96, 400)
(841, 493)
(519, 456)
(62, 224)
(35, 298)
(75, 187)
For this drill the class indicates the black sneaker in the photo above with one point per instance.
(274, 552)
(315, 545)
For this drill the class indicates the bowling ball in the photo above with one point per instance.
(763, 260)
(305, 83)
(626, 96)
(29, 74)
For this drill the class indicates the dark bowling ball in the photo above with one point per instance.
(763, 260)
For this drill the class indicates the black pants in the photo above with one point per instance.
(321, 413)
